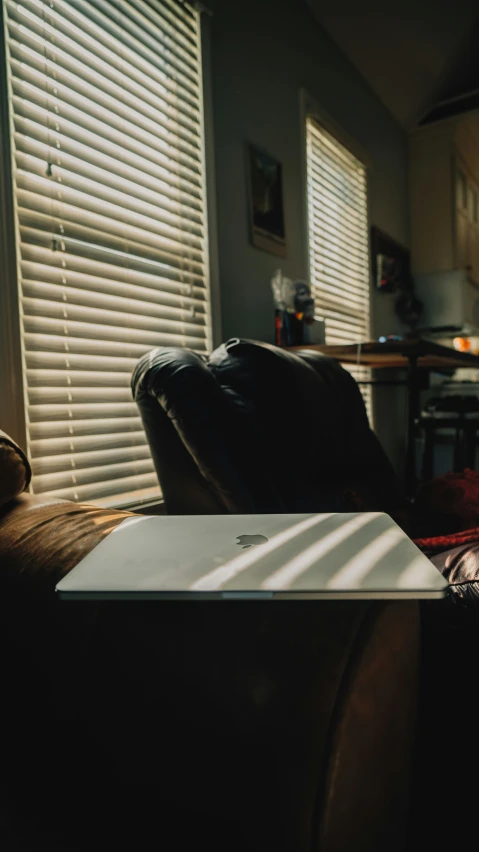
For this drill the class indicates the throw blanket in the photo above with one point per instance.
(446, 512)
(436, 544)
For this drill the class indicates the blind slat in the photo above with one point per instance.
(110, 171)
(100, 255)
(45, 411)
(191, 313)
(104, 473)
(25, 42)
(80, 213)
(45, 331)
(79, 318)
(57, 27)
(132, 27)
(62, 429)
(322, 207)
(103, 290)
(38, 261)
(338, 242)
(109, 185)
(325, 257)
(182, 17)
(72, 395)
(103, 186)
(66, 361)
(323, 169)
(48, 448)
(119, 491)
(333, 149)
(33, 60)
(77, 126)
(341, 313)
(49, 379)
(78, 461)
(341, 290)
(125, 127)
(70, 90)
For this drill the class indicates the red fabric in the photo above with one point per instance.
(445, 542)
(446, 511)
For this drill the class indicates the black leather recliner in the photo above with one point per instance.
(254, 428)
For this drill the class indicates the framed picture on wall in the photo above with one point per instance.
(265, 201)
(390, 263)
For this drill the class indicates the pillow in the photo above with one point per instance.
(15, 471)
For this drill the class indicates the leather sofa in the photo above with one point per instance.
(180, 726)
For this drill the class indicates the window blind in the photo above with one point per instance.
(338, 242)
(109, 188)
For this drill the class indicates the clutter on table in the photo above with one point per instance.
(295, 322)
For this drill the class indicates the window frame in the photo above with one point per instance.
(12, 381)
(310, 109)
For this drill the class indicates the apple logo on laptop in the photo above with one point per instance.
(251, 540)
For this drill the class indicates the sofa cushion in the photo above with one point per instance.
(15, 471)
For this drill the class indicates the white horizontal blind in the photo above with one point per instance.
(338, 242)
(109, 185)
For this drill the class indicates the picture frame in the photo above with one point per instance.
(390, 263)
(265, 201)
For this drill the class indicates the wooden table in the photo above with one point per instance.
(413, 355)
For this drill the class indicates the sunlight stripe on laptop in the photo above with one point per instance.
(365, 561)
(219, 576)
(287, 574)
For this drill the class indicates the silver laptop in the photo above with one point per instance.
(327, 556)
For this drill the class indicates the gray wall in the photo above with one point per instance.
(262, 54)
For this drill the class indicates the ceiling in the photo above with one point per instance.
(413, 53)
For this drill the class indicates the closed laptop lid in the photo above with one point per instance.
(306, 555)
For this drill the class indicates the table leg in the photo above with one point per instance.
(427, 468)
(471, 437)
(413, 411)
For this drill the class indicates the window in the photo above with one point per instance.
(338, 242)
(109, 190)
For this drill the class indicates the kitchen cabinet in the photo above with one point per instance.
(444, 197)
(466, 224)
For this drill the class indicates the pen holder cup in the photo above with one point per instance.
(289, 329)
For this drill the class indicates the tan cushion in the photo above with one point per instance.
(15, 471)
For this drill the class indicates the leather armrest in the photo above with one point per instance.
(15, 472)
(43, 538)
